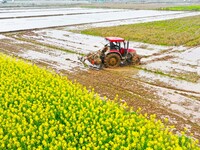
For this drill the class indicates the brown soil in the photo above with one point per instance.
(111, 82)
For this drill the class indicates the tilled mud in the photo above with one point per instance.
(136, 94)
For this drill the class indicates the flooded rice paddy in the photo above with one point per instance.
(35, 18)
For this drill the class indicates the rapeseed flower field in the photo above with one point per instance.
(43, 110)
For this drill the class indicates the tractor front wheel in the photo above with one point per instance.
(112, 60)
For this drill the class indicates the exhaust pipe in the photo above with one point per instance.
(127, 46)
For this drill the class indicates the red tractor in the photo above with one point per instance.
(114, 53)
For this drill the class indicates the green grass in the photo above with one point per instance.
(184, 31)
(183, 8)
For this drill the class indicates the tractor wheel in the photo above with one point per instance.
(112, 60)
(135, 59)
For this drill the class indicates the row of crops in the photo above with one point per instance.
(42, 110)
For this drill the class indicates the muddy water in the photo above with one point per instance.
(169, 60)
(83, 43)
(191, 56)
(68, 40)
(175, 101)
(56, 59)
(171, 82)
(49, 12)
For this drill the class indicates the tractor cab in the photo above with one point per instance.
(119, 45)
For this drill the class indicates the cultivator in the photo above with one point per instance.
(94, 58)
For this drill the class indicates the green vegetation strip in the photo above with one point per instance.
(184, 31)
(183, 8)
(43, 110)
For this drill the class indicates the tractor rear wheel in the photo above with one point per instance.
(136, 59)
(112, 60)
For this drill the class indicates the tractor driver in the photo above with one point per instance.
(114, 45)
(104, 50)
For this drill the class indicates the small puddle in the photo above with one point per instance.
(70, 41)
(182, 106)
(177, 64)
(85, 43)
(3, 37)
(181, 85)
(191, 56)
(57, 59)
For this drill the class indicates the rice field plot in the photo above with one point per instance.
(174, 32)
(183, 8)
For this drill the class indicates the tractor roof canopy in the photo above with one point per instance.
(114, 39)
